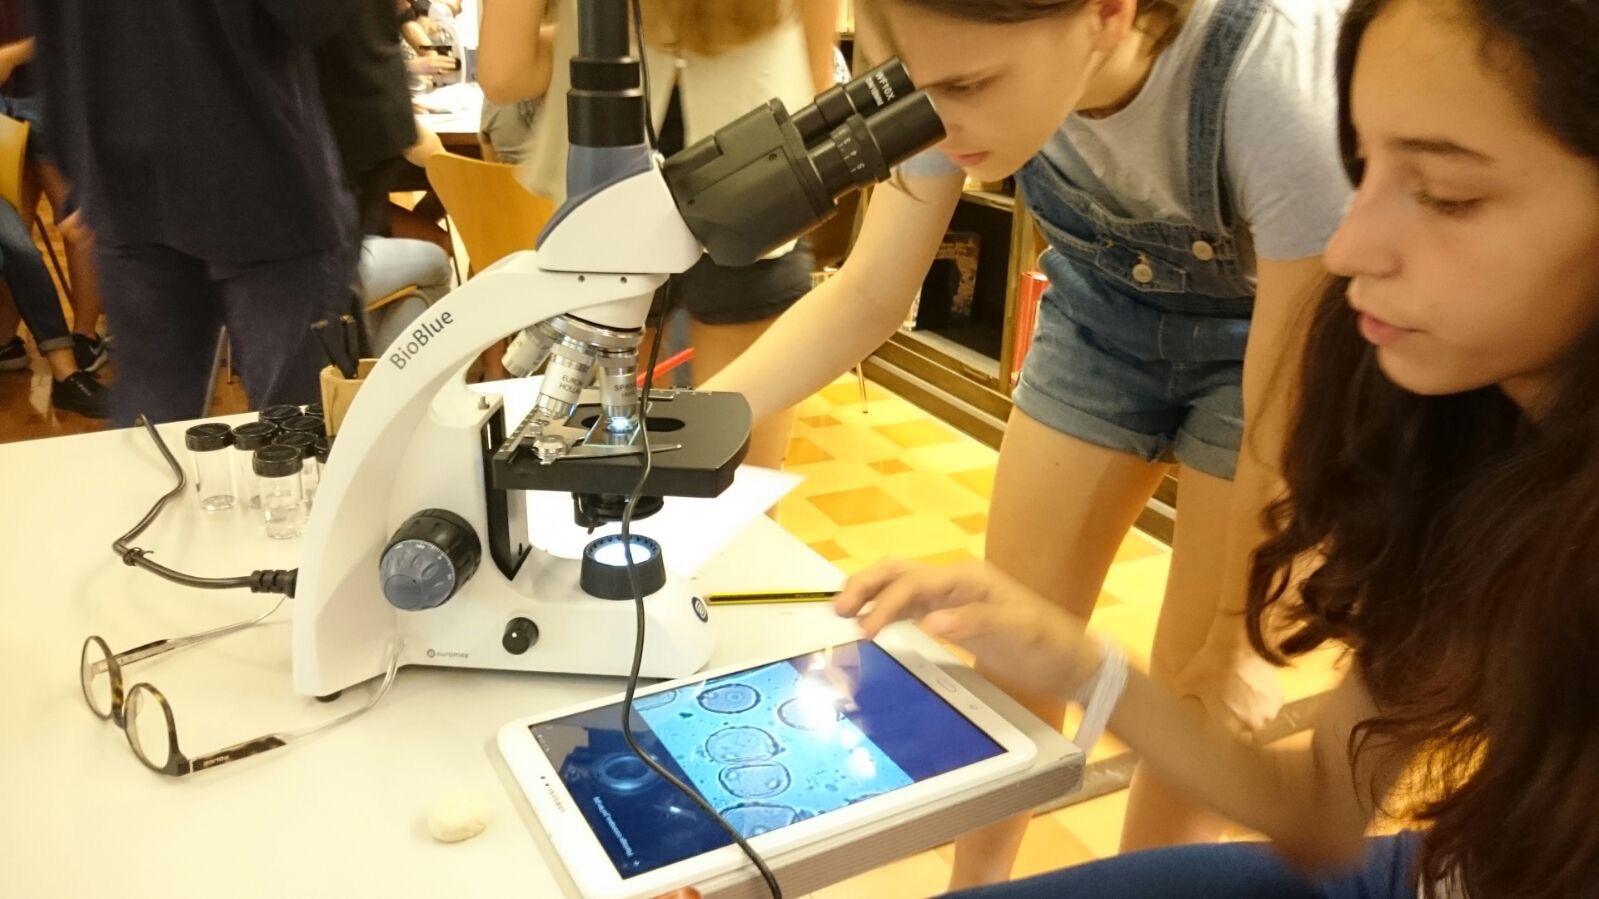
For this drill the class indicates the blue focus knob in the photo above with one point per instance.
(428, 559)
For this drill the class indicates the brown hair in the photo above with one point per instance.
(710, 27)
(1162, 18)
(1453, 544)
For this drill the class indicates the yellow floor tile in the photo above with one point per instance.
(949, 458)
(937, 495)
(885, 410)
(818, 421)
(829, 550)
(801, 451)
(949, 557)
(979, 480)
(923, 432)
(1140, 582)
(861, 444)
(1131, 626)
(846, 392)
(1138, 545)
(799, 517)
(972, 524)
(890, 466)
(908, 537)
(1097, 823)
(1049, 846)
(831, 477)
(864, 505)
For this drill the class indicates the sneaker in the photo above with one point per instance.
(89, 351)
(13, 355)
(82, 393)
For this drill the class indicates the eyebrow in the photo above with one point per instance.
(1439, 147)
(962, 78)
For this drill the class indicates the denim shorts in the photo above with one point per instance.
(1117, 372)
(736, 295)
(30, 110)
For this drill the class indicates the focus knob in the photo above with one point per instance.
(428, 559)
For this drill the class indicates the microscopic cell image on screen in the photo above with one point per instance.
(766, 748)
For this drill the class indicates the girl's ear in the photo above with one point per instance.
(1112, 20)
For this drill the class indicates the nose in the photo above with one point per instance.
(1365, 244)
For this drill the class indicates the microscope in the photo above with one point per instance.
(419, 530)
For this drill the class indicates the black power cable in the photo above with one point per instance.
(638, 639)
(261, 581)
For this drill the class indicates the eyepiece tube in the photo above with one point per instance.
(602, 29)
(864, 96)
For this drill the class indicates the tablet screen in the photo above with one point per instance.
(766, 747)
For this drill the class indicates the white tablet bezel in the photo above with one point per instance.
(596, 876)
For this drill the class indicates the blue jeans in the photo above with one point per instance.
(30, 284)
(167, 308)
(1220, 871)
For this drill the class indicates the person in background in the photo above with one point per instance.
(711, 61)
(363, 81)
(33, 300)
(196, 139)
(18, 99)
(390, 264)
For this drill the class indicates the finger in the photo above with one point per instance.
(965, 623)
(864, 586)
(911, 595)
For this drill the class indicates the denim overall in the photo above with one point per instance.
(1140, 339)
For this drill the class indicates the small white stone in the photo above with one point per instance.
(458, 816)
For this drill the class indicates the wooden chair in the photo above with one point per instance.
(13, 160)
(494, 214)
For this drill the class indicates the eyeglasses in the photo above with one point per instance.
(146, 717)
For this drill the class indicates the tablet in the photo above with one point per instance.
(790, 751)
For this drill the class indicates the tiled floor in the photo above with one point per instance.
(886, 479)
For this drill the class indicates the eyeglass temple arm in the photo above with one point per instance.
(158, 647)
(238, 751)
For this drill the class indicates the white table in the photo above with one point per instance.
(340, 815)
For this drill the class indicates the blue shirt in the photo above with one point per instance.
(195, 124)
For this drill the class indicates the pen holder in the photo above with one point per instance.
(338, 392)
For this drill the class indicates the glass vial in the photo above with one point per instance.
(310, 424)
(277, 470)
(213, 472)
(309, 470)
(278, 414)
(247, 438)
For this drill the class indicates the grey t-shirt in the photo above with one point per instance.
(1280, 137)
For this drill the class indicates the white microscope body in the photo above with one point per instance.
(418, 530)
(414, 439)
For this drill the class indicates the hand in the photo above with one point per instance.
(685, 893)
(433, 64)
(75, 230)
(1016, 634)
(1238, 688)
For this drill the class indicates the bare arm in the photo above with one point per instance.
(515, 49)
(1313, 803)
(820, 18)
(13, 55)
(415, 35)
(851, 314)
